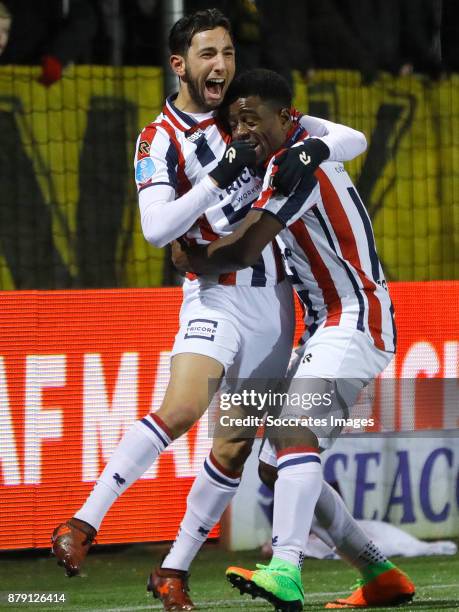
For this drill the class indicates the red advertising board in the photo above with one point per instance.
(78, 367)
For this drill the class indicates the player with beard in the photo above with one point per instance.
(192, 181)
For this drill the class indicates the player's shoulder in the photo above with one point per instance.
(157, 135)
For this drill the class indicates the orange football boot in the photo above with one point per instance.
(70, 543)
(391, 588)
(171, 587)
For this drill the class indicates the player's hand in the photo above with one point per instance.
(295, 163)
(180, 257)
(186, 258)
(238, 155)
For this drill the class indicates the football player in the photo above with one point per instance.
(326, 237)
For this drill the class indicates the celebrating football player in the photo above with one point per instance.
(326, 238)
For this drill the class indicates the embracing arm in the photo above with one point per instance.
(239, 250)
(327, 141)
(344, 142)
(164, 218)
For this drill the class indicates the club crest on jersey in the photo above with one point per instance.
(201, 328)
(144, 148)
(144, 170)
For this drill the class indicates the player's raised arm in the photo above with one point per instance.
(159, 176)
(344, 143)
(328, 142)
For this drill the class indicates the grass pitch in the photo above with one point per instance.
(115, 580)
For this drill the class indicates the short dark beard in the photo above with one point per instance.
(194, 92)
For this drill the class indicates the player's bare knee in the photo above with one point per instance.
(232, 454)
(180, 416)
(267, 474)
(293, 437)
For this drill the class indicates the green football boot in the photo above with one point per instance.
(279, 583)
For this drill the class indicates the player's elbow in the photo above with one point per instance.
(154, 234)
(156, 239)
(361, 141)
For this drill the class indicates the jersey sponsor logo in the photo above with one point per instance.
(144, 148)
(307, 358)
(304, 159)
(194, 136)
(201, 328)
(144, 170)
(247, 177)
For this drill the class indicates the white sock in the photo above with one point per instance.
(351, 542)
(210, 494)
(138, 449)
(321, 533)
(295, 495)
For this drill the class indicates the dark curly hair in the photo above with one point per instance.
(270, 86)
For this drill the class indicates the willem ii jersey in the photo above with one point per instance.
(179, 150)
(330, 254)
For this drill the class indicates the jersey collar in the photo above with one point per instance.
(184, 121)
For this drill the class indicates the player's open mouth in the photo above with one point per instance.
(214, 88)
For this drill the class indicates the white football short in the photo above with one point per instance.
(249, 330)
(348, 360)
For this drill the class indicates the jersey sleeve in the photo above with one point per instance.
(344, 142)
(287, 209)
(156, 159)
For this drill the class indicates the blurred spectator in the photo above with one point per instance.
(51, 32)
(352, 34)
(5, 25)
(420, 36)
(396, 36)
(144, 40)
(285, 42)
(450, 35)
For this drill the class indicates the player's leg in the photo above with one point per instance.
(296, 491)
(334, 525)
(265, 321)
(140, 446)
(299, 470)
(382, 582)
(211, 493)
(202, 351)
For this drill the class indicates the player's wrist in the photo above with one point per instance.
(317, 149)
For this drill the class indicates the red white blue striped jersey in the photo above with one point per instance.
(330, 254)
(179, 149)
